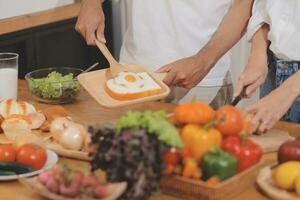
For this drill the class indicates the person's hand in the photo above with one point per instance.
(268, 110)
(91, 21)
(253, 75)
(186, 72)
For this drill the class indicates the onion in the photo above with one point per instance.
(58, 125)
(72, 137)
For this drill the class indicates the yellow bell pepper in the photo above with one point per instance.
(199, 140)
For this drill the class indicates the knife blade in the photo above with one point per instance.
(237, 99)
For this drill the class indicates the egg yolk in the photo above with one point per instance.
(130, 78)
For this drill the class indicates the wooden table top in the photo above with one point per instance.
(87, 111)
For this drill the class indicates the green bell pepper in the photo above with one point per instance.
(219, 163)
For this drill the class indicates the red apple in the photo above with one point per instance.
(288, 151)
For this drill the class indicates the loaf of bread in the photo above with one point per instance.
(10, 107)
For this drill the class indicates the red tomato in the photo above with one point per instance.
(231, 120)
(171, 157)
(7, 153)
(32, 156)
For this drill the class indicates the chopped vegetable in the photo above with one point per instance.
(55, 85)
(155, 123)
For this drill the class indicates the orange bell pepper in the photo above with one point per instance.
(190, 169)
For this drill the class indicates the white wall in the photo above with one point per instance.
(13, 8)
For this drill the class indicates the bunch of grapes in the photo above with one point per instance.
(132, 156)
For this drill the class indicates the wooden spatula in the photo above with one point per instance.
(115, 67)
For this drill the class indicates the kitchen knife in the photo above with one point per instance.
(237, 99)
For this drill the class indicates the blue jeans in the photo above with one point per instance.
(278, 71)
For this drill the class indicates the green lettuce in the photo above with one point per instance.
(55, 85)
(155, 122)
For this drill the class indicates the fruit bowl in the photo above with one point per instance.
(54, 85)
(267, 184)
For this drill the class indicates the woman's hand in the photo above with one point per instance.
(253, 75)
(91, 21)
(269, 110)
(256, 69)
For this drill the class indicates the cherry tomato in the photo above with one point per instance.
(32, 156)
(171, 157)
(7, 153)
(231, 120)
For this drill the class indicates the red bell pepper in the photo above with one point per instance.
(244, 149)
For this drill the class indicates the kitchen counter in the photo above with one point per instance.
(87, 111)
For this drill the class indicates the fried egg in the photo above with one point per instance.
(129, 80)
(130, 85)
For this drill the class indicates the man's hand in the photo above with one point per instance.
(91, 21)
(186, 72)
(253, 76)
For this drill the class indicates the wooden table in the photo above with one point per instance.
(87, 111)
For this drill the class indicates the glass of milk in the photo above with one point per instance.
(8, 76)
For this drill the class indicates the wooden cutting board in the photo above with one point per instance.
(94, 83)
(271, 141)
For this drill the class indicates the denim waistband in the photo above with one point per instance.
(273, 58)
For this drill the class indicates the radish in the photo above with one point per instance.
(74, 188)
(52, 184)
(44, 177)
(89, 181)
(100, 191)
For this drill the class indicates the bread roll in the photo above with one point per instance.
(10, 107)
(16, 125)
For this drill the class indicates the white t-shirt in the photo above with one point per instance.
(162, 31)
(283, 17)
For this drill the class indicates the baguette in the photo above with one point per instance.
(11, 107)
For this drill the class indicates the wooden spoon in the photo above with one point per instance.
(115, 67)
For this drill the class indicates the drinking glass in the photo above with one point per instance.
(8, 76)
